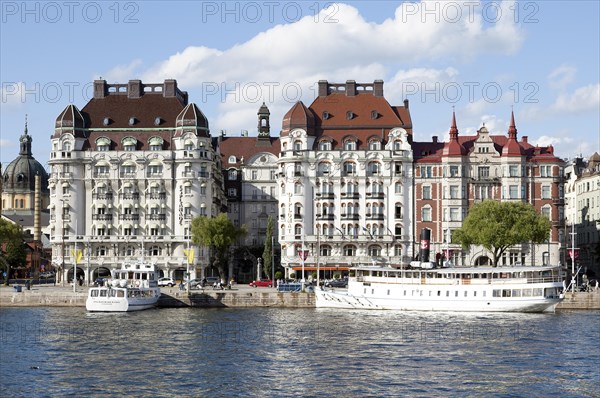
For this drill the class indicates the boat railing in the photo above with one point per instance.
(458, 281)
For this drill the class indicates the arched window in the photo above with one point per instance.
(398, 187)
(298, 231)
(232, 175)
(297, 145)
(325, 250)
(374, 145)
(349, 250)
(349, 145)
(349, 168)
(232, 159)
(374, 251)
(324, 145)
(426, 213)
(324, 168)
(374, 168)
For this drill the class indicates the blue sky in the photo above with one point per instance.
(540, 58)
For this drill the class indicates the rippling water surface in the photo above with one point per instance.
(61, 352)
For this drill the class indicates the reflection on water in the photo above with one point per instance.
(301, 352)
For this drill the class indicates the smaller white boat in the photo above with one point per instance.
(131, 288)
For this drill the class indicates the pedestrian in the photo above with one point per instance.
(181, 285)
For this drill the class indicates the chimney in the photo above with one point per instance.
(323, 85)
(170, 88)
(99, 89)
(134, 89)
(378, 88)
(524, 139)
(37, 215)
(406, 103)
(350, 88)
(435, 139)
(244, 133)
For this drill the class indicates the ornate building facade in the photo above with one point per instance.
(129, 172)
(345, 180)
(451, 177)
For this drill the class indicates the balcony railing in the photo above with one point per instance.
(157, 217)
(102, 217)
(103, 196)
(129, 217)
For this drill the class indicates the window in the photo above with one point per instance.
(398, 211)
(102, 170)
(374, 145)
(324, 168)
(545, 171)
(349, 250)
(128, 169)
(325, 250)
(454, 192)
(426, 213)
(426, 192)
(232, 192)
(398, 251)
(374, 168)
(232, 175)
(454, 214)
(297, 145)
(374, 251)
(298, 188)
(426, 171)
(298, 231)
(513, 192)
(513, 171)
(398, 188)
(255, 174)
(155, 169)
(325, 146)
(546, 212)
(349, 145)
(231, 159)
(155, 147)
(484, 172)
(349, 168)
(545, 192)
(453, 171)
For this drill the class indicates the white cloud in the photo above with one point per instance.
(121, 73)
(301, 53)
(581, 100)
(561, 77)
(14, 94)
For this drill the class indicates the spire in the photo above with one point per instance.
(453, 128)
(25, 142)
(512, 129)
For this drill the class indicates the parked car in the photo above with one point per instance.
(166, 282)
(342, 282)
(195, 283)
(211, 280)
(100, 282)
(46, 275)
(262, 283)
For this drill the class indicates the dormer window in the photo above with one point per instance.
(349, 115)
(349, 145)
(374, 115)
(132, 120)
(326, 115)
(325, 146)
(156, 143)
(129, 144)
(106, 121)
(157, 121)
(103, 144)
(232, 159)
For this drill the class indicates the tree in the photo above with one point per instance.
(499, 225)
(267, 255)
(12, 249)
(218, 234)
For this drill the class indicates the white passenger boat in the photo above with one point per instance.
(481, 289)
(132, 288)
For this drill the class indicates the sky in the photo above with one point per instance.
(540, 59)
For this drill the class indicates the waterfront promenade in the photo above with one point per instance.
(240, 296)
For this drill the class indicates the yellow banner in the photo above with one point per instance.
(189, 255)
(77, 254)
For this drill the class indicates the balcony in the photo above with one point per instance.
(102, 217)
(129, 196)
(157, 217)
(297, 216)
(102, 196)
(350, 195)
(129, 217)
(159, 196)
(350, 216)
(324, 195)
(375, 216)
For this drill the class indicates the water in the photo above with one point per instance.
(66, 352)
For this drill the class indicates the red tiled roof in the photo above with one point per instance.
(245, 147)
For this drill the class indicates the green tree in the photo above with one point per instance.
(218, 234)
(499, 225)
(12, 249)
(267, 255)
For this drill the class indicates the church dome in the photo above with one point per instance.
(19, 175)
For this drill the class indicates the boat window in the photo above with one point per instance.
(505, 292)
(102, 293)
(456, 293)
(526, 292)
(405, 292)
(439, 292)
(516, 293)
(475, 293)
(466, 293)
(120, 293)
(447, 293)
(94, 293)
(388, 292)
(537, 292)
(484, 293)
(497, 293)
(372, 291)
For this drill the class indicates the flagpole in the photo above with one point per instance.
(75, 260)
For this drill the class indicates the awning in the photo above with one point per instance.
(187, 204)
(100, 185)
(65, 184)
(187, 184)
(65, 204)
(127, 185)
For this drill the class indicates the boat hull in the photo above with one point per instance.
(108, 303)
(343, 299)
